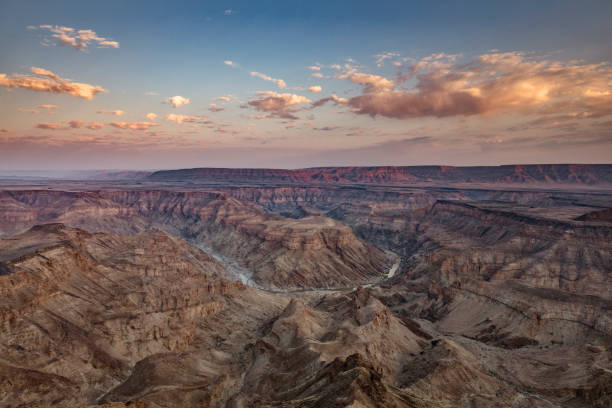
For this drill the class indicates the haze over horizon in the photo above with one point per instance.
(159, 85)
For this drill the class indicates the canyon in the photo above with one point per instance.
(430, 286)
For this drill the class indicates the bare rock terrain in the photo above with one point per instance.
(330, 290)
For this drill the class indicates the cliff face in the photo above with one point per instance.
(95, 304)
(281, 252)
(588, 174)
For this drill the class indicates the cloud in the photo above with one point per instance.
(333, 98)
(492, 83)
(328, 128)
(78, 39)
(187, 119)
(52, 126)
(380, 58)
(230, 63)
(314, 68)
(177, 101)
(151, 93)
(317, 75)
(315, 89)
(224, 98)
(47, 107)
(34, 111)
(94, 125)
(46, 81)
(214, 108)
(151, 116)
(279, 82)
(113, 112)
(228, 12)
(134, 125)
(371, 82)
(72, 124)
(277, 104)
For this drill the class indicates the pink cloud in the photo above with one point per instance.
(278, 104)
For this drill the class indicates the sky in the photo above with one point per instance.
(291, 84)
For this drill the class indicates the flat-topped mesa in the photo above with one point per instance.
(538, 174)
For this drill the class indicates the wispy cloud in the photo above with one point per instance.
(315, 89)
(151, 116)
(134, 125)
(78, 39)
(279, 82)
(34, 111)
(46, 81)
(380, 58)
(47, 107)
(228, 12)
(230, 63)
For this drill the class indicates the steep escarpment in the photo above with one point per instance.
(582, 174)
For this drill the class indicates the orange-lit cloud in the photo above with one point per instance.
(113, 112)
(47, 107)
(315, 89)
(177, 101)
(151, 116)
(78, 39)
(230, 63)
(492, 83)
(278, 104)
(279, 82)
(46, 81)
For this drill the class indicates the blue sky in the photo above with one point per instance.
(482, 93)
